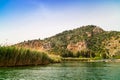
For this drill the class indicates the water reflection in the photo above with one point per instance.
(64, 71)
(96, 71)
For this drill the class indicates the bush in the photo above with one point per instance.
(104, 56)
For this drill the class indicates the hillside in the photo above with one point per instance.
(86, 41)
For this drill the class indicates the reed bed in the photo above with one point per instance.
(13, 56)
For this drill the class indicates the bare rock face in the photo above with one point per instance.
(113, 46)
(46, 46)
(36, 45)
(88, 34)
(97, 30)
(79, 46)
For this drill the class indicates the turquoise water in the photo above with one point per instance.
(64, 71)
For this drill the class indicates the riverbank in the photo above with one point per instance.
(76, 59)
(90, 60)
(13, 56)
(106, 60)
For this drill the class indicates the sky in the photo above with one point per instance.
(22, 20)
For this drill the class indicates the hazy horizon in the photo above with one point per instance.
(32, 19)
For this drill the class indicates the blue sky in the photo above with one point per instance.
(32, 19)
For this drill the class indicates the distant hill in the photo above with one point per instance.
(86, 41)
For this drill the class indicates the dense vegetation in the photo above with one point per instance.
(97, 43)
(85, 42)
(12, 56)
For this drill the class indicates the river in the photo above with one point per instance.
(64, 71)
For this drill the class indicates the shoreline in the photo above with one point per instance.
(70, 59)
(90, 60)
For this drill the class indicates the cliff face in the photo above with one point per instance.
(90, 38)
(38, 45)
(79, 46)
(113, 45)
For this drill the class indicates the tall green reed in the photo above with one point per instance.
(13, 56)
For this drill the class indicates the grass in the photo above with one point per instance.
(12, 56)
(55, 58)
(76, 59)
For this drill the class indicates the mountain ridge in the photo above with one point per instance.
(90, 40)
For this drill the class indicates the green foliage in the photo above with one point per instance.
(67, 53)
(93, 37)
(104, 56)
(83, 54)
(12, 56)
(86, 54)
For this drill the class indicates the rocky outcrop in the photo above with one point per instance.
(46, 46)
(112, 46)
(97, 30)
(79, 46)
(35, 44)
(88, 34)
